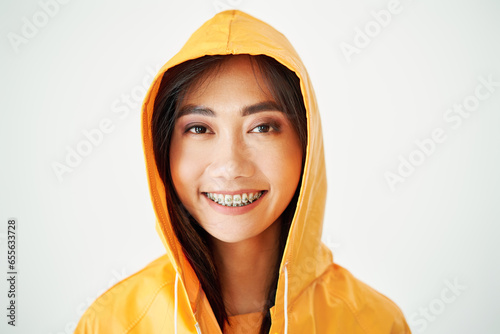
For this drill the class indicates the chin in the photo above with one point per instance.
(233, 238)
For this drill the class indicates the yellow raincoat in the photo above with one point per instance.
(314, 294)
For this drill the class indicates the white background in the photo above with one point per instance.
(80, 235)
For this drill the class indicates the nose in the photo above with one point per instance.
(231, 159)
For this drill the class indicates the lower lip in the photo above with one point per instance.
(235, 210)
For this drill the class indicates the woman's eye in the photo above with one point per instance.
(266, 128)
(263, 128)
(198, 129)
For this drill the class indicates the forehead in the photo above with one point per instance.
(238, 81)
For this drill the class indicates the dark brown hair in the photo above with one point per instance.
(284, 86)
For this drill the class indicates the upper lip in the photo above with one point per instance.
(237, 192)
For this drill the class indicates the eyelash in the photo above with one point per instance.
(272, 125)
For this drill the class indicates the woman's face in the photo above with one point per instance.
(230, 144)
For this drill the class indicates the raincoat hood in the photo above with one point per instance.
(314, 295)
(230, 33)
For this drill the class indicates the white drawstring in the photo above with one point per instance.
(176, 305)
(286, 300)
(176, 300)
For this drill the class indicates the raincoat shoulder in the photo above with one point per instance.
(351, 306)
(131, 304)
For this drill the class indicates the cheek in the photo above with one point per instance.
(283, 165)
(186, 165)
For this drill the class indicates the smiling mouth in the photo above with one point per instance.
(235, 200)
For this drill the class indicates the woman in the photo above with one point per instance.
(234, 153)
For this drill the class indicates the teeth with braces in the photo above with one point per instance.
(235, 200)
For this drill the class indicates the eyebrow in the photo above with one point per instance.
(247, 110)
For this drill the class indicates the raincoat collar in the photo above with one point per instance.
(305, 258)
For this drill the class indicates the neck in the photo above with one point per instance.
(246, 269)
